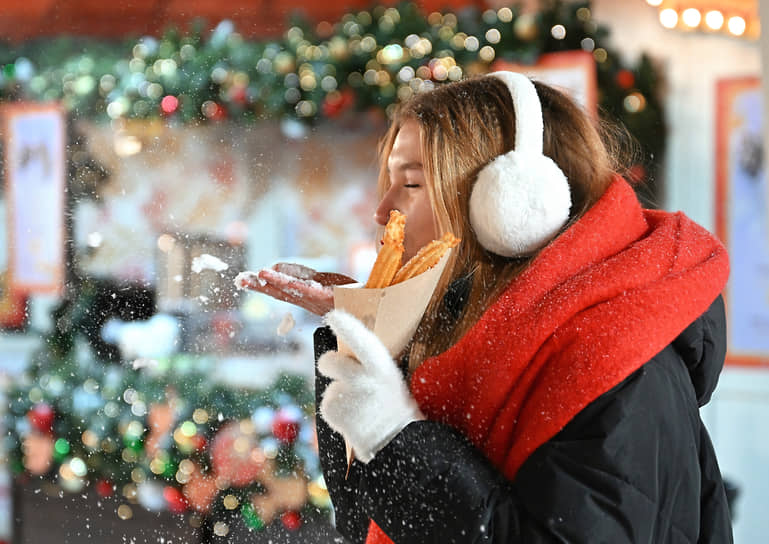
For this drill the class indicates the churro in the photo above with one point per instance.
(427, 257)
(389, 258)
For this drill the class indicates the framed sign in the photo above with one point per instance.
(34, 140)
(742, 217)
(572, 72)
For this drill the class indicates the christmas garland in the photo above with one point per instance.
(161, 434)
(366, 61)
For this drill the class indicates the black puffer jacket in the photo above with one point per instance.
(636, 465)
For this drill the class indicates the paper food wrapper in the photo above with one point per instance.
(391, 313)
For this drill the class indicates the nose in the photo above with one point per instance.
(382, 212)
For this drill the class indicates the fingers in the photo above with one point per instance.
(296, 270)
(363, 343)
(301, 272)
(308, 295)
(336, 366)
(331, 278)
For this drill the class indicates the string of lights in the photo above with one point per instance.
(734, 20)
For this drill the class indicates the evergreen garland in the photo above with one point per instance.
(365, 61)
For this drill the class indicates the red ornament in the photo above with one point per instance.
(625, 79)
(291, 520)
(199, 442)
(337, 102)
(169, 104)
(104, 488)
(238, 94)
(285, 428)
(41, 417)
(175, 499)
(219, 113)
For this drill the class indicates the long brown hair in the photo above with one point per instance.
(464, 126)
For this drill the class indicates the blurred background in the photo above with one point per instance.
(153, 150)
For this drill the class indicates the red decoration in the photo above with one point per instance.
(291, 520)
(219, 113)
(238, 94)
(285, 428)
(161, 420)
(223, 325)
(175, 499)
(38, 452)
(169, 104)
(200, 491)
(625, 79)
(104, 488)
(337, 102)
(199, 442)
(235, 455)
(41, 418)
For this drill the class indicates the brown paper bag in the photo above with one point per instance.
(391, 313)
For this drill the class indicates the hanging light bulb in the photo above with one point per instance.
(691, 17)
(714, 19)
(669, 18)
(736, 25)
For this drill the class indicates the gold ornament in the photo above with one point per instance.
(525, 27)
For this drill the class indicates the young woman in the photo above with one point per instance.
(551, 392)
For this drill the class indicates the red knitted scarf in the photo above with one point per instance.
(596, 304)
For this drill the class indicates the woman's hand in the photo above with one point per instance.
(300, 285)
(368, 401)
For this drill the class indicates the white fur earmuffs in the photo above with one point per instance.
(521, 199)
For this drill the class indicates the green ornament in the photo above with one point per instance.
(170, 470)
(132, 442)
(60, 449)
(250, 517)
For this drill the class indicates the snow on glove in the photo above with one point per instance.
(368, 401)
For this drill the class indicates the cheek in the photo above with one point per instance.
(427, 216)
(423, 223)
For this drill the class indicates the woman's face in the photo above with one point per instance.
(407, 192)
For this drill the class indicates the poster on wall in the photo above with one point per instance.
(742, 217)
(572, 72)
(34, 140)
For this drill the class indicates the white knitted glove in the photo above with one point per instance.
(367, 402)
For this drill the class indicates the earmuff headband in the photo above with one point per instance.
(528, 111)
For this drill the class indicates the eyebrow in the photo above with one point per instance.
(407, 166)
